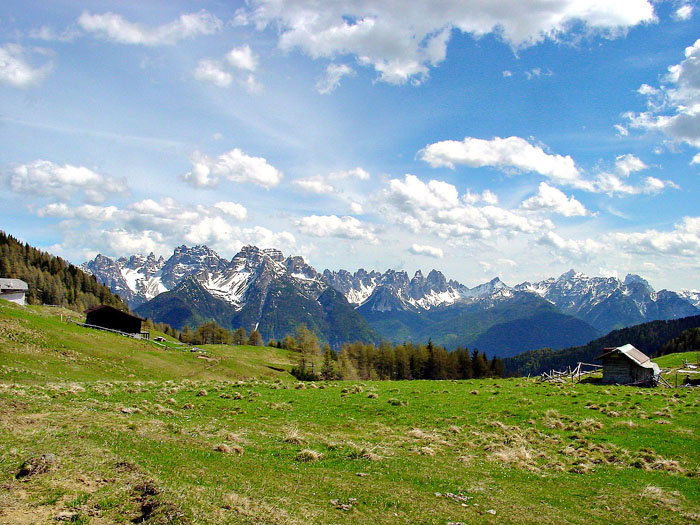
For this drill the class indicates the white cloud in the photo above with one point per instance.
(537, 73)
(515, 154)
(570, 248)
(209, 70)
(684, 12)
(696, 159)
(681, 243)
(437, 208)
(334, 226)
(683, 240)
(44, 178)
(356, 208)
(354, 173)
(622, 131)
(233, 209)
(674, 108)
(86, 212)
(234, 166)
(15, 69)
(512, 153)
(554, 200)
(240, 64)
(314, 185)
(116, 28)
(487, 197)
(430, 251)
(402, 42)
(331, 79)
(613, 184)
(158, 226)
(324, 184)
(242, 58)
(626, 164)
(506, 73)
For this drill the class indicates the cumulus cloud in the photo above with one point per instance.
(242, 58)
(674, 107)
(333, 226)
(571, 248)
(683, 240)
(626, 164)
(62, 182)
(240, 64)
(436, 207)
(512, 153)
(612, 184)
(331, 79)
(233, 209)
(515, 154)
(116, 28)
(356, 208)
(86, 212)
(234, 166)
(551, 199)
(16, 69)
(325, 184)
(487, 197)
(402, 42)
(314, 185)
(150, 225)
(429, 251)
(209, 70)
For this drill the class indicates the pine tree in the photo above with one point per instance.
(255, 338)
(239, 336)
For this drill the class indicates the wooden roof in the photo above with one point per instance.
(628, 351)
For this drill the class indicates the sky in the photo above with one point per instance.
(484, 138)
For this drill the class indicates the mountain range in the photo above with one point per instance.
(263, 289)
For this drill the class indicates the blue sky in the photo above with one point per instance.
(480, 138)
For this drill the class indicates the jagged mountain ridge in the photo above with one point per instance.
(397, 306)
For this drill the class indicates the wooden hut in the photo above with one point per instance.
(111, 318)
(13, 290)
(625, 365)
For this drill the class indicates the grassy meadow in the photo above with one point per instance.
(96, 428)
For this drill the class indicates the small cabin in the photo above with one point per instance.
(13, 290)
(625, 365)
(110, 318)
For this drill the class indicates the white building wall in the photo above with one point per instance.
(13, 297)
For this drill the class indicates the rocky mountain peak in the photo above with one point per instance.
(632, 279)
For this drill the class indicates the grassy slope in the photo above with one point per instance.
(531, 453)
(35, 345)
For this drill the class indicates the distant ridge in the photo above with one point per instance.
(504, 320)
(650, 338)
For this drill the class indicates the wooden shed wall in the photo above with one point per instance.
(619, 369)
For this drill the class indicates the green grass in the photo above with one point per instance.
(151, 447)
(37, 345)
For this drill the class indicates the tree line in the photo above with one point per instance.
(386, 361)
(52, 280)
(354, 361)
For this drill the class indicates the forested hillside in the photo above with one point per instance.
(51, 279)
(651, 338)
